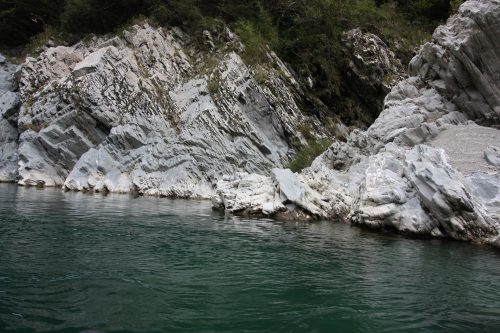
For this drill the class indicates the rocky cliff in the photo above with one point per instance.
(9, 103)
(152, 112)
(429, 163)
(155, 112)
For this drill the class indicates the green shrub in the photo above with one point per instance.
(253, 41)
(85, 16)
(20, 20)
(455, 4)
(41, 40)
(307, 154)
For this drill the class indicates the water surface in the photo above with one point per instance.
(71, 262)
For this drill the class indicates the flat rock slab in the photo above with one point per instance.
(466, 145)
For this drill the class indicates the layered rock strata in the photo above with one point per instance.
(429, 163)
(9, 105)
(154, 112)
(372, 68)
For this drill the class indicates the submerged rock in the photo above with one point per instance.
(424, 167)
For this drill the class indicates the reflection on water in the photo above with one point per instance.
(71, 262)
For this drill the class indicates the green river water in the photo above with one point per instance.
(72, 262)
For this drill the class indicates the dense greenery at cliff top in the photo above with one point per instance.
(306, 33)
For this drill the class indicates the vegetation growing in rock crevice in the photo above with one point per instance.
(306, 34)
(307, 154)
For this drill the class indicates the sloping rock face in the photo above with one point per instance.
(372, 67)
(149, 113)
(9, 104)
(463, 61)
(427, 165)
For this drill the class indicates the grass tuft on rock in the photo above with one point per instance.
(307, 154)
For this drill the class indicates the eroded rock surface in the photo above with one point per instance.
(463, 60)
(9, 104)
(372, 68)
(153, 112)
(150, 113)
(371, 61)
(428, 165)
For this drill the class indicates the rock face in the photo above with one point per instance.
(9, 104)
(153, 112)
(372, 68)
(463, 61)
(371, 60)
(428, 165)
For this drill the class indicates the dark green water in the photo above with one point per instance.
(71, 262)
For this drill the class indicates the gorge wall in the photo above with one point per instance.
(429, 163)
(148, 112)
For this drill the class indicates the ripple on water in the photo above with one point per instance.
(71, 262)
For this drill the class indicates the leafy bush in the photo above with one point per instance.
(306, 155)
(85, 16)
(21, 20)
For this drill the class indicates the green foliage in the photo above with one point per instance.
(306, 34)
(257, 34)
(307, 154)
(455, 4)
(214, 84)
(426, 9)
(85, 16)
(40, 40)
(21, 20)
(261, 76)
(252, 39)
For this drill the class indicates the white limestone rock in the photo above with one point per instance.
(9, 106)
(463, 60)
(282, 195)
(424, 167)
(148, 113)
(246, 193)
(492, 155)
(8, 151)
(413, 113)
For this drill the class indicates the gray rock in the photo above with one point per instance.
(469, 148)
(463, 60)
(421, 167)
(9, 106)
(371, 60)
(284, 195)
(371, 66)
(492, 155)
(147, 113)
